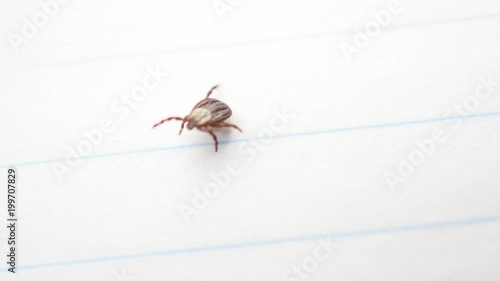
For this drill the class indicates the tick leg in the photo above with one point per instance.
(229, 125)
(215, 140)
(211, 90)
(168, 119)
(182, 125)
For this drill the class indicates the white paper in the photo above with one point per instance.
(382, 165)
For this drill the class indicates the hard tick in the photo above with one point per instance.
(207, 115)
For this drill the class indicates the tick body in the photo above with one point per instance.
(207, 115)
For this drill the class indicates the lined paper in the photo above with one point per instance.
(375, 160)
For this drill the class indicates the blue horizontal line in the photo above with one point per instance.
(248, 43)
(299, 134)
(262, 243)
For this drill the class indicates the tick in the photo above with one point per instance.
(207, 115)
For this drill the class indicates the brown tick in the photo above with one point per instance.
(206, 115)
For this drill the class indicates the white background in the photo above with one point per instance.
(322, 176)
